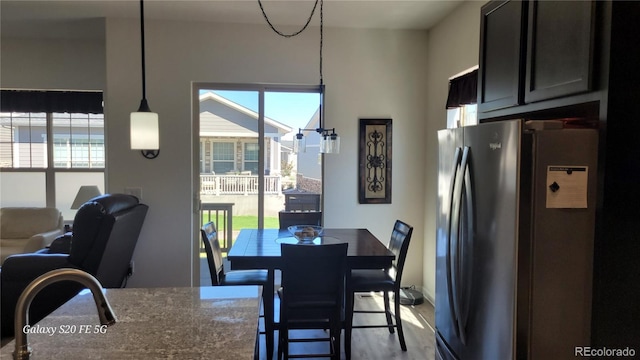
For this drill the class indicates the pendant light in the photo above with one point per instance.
(144, 123)
(329, 139)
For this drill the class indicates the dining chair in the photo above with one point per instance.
(312, 295)
(219, 276)
(216, 264)
(384, 280)
(289, 218)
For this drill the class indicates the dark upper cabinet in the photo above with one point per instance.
(534, 50)
(501, 50)
(559, 49)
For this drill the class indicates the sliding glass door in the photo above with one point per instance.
(245, 170)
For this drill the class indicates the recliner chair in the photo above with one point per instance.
(105, 233)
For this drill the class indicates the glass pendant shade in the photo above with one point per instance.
(144, 131)
(323, 144)
(333, 147)
(330, 144)
(299, 144)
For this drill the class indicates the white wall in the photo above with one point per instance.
(453, 46)
(65, 64)
(378, 74)
(367, 74)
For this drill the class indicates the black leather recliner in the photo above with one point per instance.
(105, 233)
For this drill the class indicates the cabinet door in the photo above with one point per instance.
(501, 50)
(559, 49)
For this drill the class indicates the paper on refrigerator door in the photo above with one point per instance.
(567, 186)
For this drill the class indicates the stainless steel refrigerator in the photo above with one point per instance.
(514, 242)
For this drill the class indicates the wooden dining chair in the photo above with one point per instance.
(290, 218)
(384, 280)
(216, 264)
(312, 295)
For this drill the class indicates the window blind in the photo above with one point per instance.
(51, 101)
(463, 90)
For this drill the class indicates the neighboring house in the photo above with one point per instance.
(229, 138)
(45, 157)
(287, 154)
(78, 140)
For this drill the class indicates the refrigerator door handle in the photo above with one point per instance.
(456, 237)
(466, 231)
(450, 257)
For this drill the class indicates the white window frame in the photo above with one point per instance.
(244, 161)
(234, 161)
(49, 169)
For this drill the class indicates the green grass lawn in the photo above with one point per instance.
(246, 221)
(249, 222)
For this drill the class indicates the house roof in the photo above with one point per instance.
(223, 117)
(314, 122)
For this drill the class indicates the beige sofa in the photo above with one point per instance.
(28, 229)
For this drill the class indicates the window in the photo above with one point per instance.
(462, 109)
(23, 140)
(78, 140)
(46, 154)
(223, 157)
(463, 115)
(251, 151)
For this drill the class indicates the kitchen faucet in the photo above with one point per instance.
(106, 314)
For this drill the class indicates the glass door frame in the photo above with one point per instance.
(261, 89)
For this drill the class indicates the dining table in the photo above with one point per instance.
(260, 249)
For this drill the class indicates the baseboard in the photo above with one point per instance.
(429, 297)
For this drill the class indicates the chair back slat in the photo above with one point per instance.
(209, 235)
(290, 218)
(399, 245)
(314, 272)
(312, 294)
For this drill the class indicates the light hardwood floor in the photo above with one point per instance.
(372, 344)
(378, 343)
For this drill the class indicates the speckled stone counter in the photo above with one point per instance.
(156, 323)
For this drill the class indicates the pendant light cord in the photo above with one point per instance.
(294, 33)
(315, 5)
(321, 38)
(264, 14)
(144, 86)
(321, 108)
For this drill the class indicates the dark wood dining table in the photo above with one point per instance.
(260, 249)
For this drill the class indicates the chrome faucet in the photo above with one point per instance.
(106, 314)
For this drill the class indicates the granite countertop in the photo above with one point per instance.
(153, 323)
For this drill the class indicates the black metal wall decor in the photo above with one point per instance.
(374, 158)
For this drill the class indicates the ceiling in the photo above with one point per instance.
(79, 17)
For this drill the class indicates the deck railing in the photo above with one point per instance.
(222, 216)
(238, 184)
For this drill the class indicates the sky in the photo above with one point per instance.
(292, 109)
